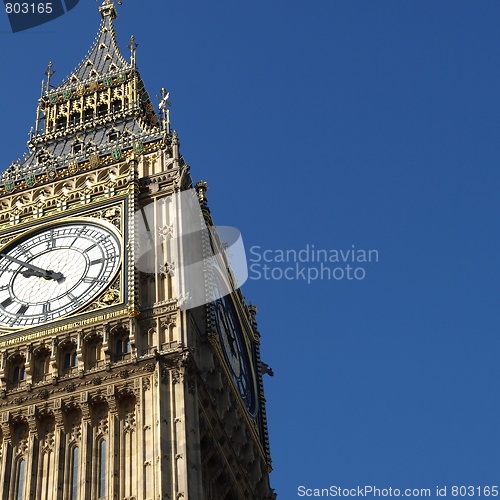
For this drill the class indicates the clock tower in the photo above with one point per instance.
(129, 359)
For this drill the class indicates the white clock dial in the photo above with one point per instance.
(54, 271)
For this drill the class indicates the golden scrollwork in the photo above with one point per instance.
(111, 214)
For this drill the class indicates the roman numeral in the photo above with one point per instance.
(98, 241)
(7, 302)
(97, 261)
(93, 280)
(52, 242)
(23, 309)
(78, 234)
(25, 251)
(76, 300)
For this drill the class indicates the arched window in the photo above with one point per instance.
(41, 125)
(102, 469)
(77, 147)
(41, 365)
(61, 122)
(113, 136)
(74, 472)
(122, 348)
(17, 371)
(20, 479)
(102, 109)
(93, 353)
(19, 374)
(68, 358)
(116, 106)
(42, 157)
(88, 114)
(74, 118)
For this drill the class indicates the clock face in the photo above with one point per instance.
(234, 348)
(52, 272)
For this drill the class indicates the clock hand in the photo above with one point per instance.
(30, 272)
(34, 270)
(232, 340)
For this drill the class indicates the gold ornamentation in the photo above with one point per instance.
(73, 167)
(9, 186)
(116, 153)
(51, 172)
(138, 147)
(6, 240)
(94, 160)
(112, 214)
(30, 180)
(110, 297)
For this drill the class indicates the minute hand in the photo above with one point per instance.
(37, 271)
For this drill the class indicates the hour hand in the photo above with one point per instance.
(48, 275)
(232, 341)
(32, 270)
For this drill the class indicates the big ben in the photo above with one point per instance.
(129, 359)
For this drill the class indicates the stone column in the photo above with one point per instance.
(6, 462)
(86, 454)
(59, 451)
(32, 455)
(113, 451)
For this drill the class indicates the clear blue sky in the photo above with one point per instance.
(333, 123)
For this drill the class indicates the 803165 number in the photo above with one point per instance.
(29, 8)
(471, 491)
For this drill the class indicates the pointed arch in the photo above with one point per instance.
(20, 479)
(75, 472)
(102, 468)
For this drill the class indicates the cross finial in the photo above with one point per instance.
(163, 98)
(49, 72)
(132, 46)
(164, 111)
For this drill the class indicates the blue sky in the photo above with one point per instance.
(336, 123)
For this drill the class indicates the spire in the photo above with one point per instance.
(104, 57)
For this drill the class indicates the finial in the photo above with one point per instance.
(132, 46)
(201, 188)
(252, 310)
(107, 9)
(164, 111)
(49, 72)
